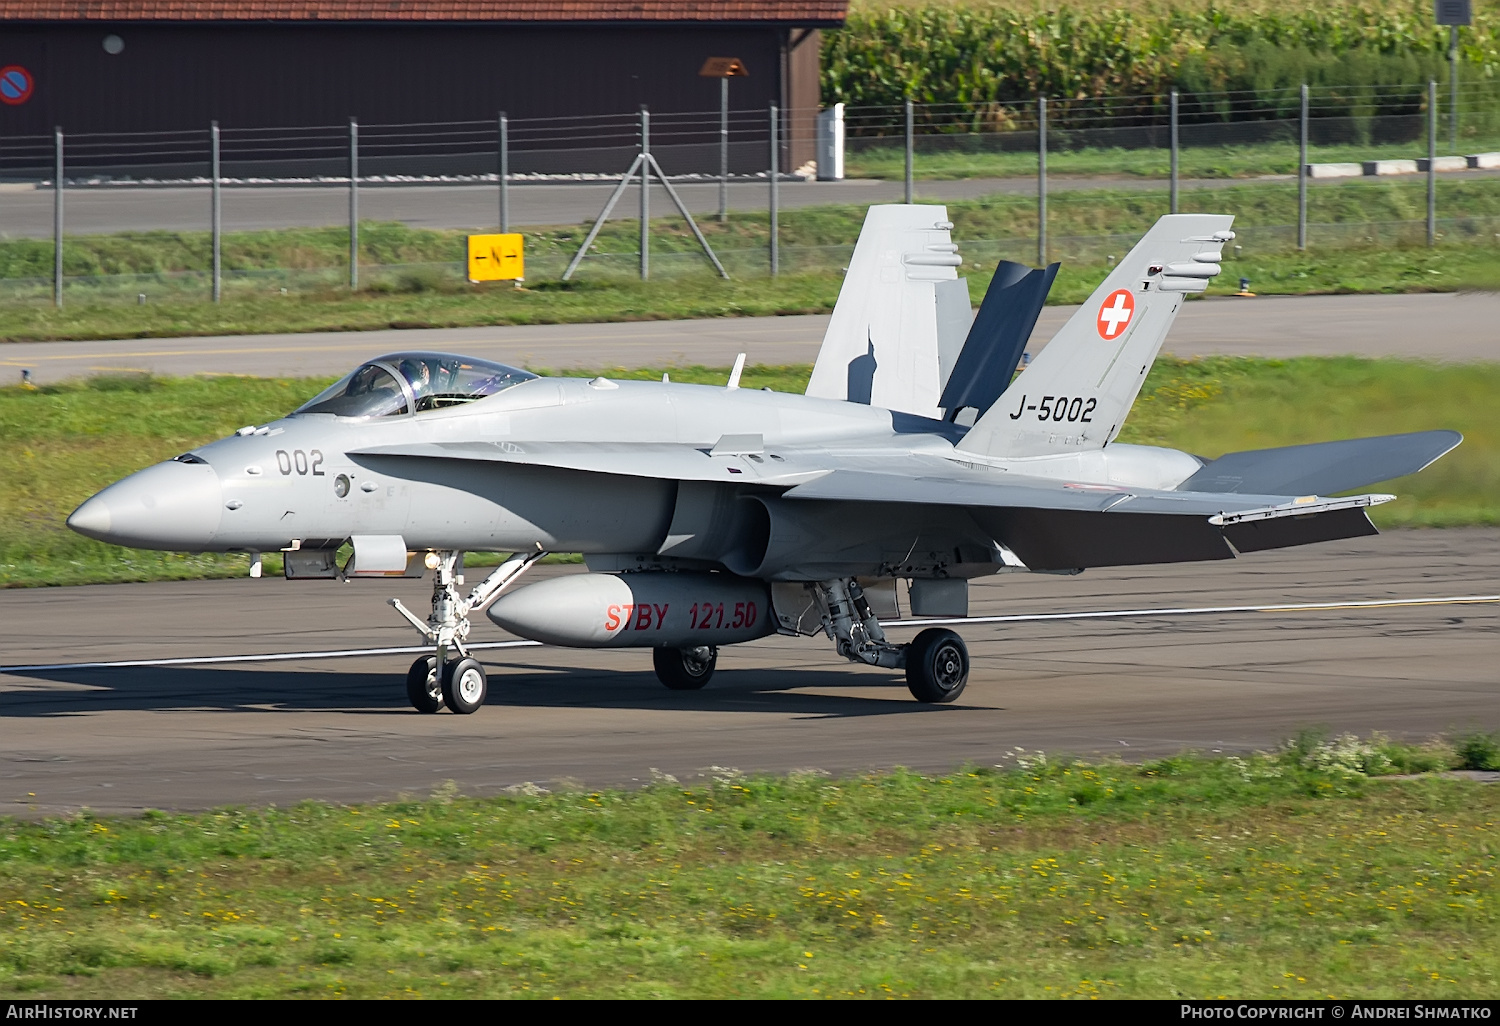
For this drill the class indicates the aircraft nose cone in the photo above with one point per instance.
(174, 506)
(92, 518)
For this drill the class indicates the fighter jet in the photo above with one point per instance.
(711, 516)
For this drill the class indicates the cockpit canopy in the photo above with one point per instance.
(404, 383)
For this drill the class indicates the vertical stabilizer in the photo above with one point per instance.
(1076, 393)
(882, 346)
(993, 348)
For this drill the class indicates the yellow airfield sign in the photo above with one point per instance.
(496, 258)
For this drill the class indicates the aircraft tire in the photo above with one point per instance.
(464, 686)
(681, 670)
(937, 665)
(424, 685)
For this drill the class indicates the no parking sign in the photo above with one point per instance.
(16, 85)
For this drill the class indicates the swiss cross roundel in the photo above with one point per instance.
(1115, 314)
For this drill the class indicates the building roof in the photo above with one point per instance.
(789, 12)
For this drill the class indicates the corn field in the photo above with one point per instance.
(998, 57)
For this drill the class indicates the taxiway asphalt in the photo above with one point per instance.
(193, 736)
(1435, 326)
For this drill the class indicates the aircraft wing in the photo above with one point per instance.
(1056, 525)
(1044, 493)
(1049, 524)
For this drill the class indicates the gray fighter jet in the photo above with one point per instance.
(715, 515)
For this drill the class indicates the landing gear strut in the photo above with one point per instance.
(437, 680)
(936, 662)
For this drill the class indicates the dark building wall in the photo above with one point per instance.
(261, 76)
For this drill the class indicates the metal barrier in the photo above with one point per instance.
(1285, 130)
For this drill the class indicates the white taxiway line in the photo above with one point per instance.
(1113, 614)
(1105, 614)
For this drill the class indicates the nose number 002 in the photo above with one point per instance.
(286, 462)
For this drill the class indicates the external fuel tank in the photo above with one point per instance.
(639, 610)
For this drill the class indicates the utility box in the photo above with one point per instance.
(496, 258)
(831, 144)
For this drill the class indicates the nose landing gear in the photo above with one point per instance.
(424, 685)
(434, 680)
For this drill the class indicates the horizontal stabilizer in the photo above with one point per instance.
(1324, 467)
(998, 336)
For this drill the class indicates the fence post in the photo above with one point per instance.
(353, 204)
(57, 218)
(1174, 150)
(1432, 129)
(775, 198)
(1302, 176)
(217, 219)
(1041, 180)
(910, 131)
(723, 149)
(504, 172)
(645, 193)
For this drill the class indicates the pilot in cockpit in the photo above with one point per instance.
(419, 375)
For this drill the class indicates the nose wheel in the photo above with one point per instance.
(424, 685)
(464, 686)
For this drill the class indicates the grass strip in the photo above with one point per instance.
(60, 444)
(1297, 874)
(1365, 237)
(952, 158)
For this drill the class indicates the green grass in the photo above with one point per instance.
(60, 444)
(939, 158)
(1289, 875)
(1365, 237)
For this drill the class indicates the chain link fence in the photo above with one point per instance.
(159, 191)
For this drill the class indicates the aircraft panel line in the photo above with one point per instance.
(942, 621)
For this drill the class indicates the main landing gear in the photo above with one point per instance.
(439, 679)
(936, 661)
(685, 669)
